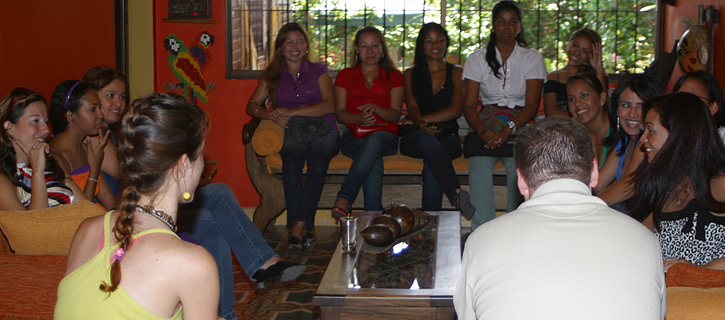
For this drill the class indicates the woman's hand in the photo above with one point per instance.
(427, 127)
(370, 108)
(595, 59)
(36, 154)
(366, 118)
(94, 148)
(281, 116)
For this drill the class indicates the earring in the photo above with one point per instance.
(186, 196)
(617, 123)
(307, 51)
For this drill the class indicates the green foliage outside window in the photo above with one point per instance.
(627, 27)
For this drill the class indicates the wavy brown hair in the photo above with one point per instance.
(12, 107)
(158, 130)
(274, 69)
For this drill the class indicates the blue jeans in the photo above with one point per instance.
(439, 177)
(219, 223)
(367, 166)
(303, 195)
(480, 177)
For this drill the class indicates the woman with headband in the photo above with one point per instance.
(76, 116)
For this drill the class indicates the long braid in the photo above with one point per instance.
(156, 132)
(123, 228)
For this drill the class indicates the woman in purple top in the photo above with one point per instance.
(302, 97)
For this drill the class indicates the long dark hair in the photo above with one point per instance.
(100, 77)
(422, 83)
(274, 70)
(62, 101)
(590, 78)
(503, 5)
(693, 152)
(156, 132)
(384, 61)
(714, 91)
(644, 86)
(12, 107)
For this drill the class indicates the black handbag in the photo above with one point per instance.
(306, 129)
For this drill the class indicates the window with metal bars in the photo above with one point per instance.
(628, 29)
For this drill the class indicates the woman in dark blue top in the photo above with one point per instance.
(434, 97)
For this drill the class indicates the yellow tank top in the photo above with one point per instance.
(80, 298)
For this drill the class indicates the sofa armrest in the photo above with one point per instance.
(248, 130)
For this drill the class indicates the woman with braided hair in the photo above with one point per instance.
(132, 270)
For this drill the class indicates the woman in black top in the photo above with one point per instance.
(434, 97)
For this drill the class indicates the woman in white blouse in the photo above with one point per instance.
(508, 76)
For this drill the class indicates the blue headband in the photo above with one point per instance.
(65, 105)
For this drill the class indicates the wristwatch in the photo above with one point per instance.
(512, 125)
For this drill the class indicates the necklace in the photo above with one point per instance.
(370, 77)
(160, 215)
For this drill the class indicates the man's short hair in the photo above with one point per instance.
(554, 149)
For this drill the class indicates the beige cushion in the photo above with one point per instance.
(695, 303)
(45, 231)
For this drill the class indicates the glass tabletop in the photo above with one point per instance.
(409, 264)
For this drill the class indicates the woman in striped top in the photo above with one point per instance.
(23, 150)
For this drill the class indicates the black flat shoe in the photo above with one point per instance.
(280, 271)
(463, 204)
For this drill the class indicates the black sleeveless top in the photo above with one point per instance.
(442, 99)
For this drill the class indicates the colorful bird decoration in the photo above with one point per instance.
(188, 65)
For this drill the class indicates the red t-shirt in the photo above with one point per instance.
(353, 80)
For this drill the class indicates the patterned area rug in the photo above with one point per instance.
(286, 300)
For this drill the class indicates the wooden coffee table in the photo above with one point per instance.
(413, 283)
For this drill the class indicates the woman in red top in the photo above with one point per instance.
(370, 93)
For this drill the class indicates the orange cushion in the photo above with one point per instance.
(690, 275)
(45, 231)
(268, 138)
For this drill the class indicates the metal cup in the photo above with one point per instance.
(348, 234)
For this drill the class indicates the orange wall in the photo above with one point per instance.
(44, 42)
(673, 29)
(226, 105)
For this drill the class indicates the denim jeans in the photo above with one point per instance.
(480, 178)
(303, 195)
(219, 223)
(367, 166)
(439, 177)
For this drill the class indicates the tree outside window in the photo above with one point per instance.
(627, 27)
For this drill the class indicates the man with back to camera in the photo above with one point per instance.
(563, 254)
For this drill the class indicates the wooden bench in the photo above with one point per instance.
(402, 179)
